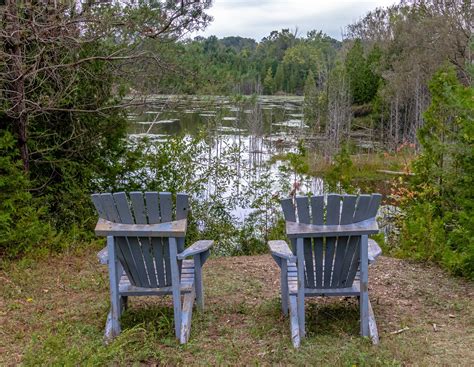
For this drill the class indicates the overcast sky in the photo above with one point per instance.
(257, 18)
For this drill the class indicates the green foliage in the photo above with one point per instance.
(279, 63)
(439, 224)
(310, 103)
(361, 71)
(23, 221)
(268, 84)
(171, 166)
(339, 175)
(297, 161)
(423, 234)
(279, 79)
(75, 132)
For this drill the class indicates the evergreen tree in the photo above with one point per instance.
(310, 100)
(279, 79)
(268, 82)
(439, 224)
(361, 72)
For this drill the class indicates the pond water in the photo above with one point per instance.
(244, 134)
(259, 129)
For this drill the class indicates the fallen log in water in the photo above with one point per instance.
(397, 173)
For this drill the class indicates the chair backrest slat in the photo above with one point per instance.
(107, 204)
(153, 207)
(331, 262)
(347, 215)
(363, 211)
(302, 205)
(153, 210)
(138, 206)
(96, 199)
(182, 208)
(123, 209)
(332, 218)
(348, 208)
(317, 209)
(374, 205)
(166, 207)
(135, 244)
(317, 217)
(363, 203)
(288, 210)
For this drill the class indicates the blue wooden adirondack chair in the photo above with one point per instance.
(146, 256)
(329, 255)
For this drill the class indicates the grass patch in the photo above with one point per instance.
(366, 166)
(53, 312)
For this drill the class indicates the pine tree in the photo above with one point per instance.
(279, 78)
(310, 100)
(268, 84)
(361, 72)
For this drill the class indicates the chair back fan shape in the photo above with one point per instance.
(145, 260)
(332, 261)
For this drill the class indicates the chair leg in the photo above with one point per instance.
(188, 301)
(364, 314)
(374, 334)
(198, 282)
(300, 270)
(284, 287)
(176, 290)
(295, 327)
(112, 328)
(364, 284)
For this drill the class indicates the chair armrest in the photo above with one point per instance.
(374, 251)
(167, 229)
(298, 230)
(281, 249)
(196, 248)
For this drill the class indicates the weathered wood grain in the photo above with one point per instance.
(168, 229)
(296, 230)
(281, 249)
(188, 301)
(295, 329)
(374, 334)
(196, 248)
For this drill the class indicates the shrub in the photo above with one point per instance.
(22, 217)
(439, 222)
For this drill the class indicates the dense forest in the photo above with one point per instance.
(381, 69)
(68, 69)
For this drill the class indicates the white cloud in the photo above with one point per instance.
(256, 19)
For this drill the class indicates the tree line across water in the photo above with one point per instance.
(69, 70)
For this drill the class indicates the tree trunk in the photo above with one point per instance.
(17, 85)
